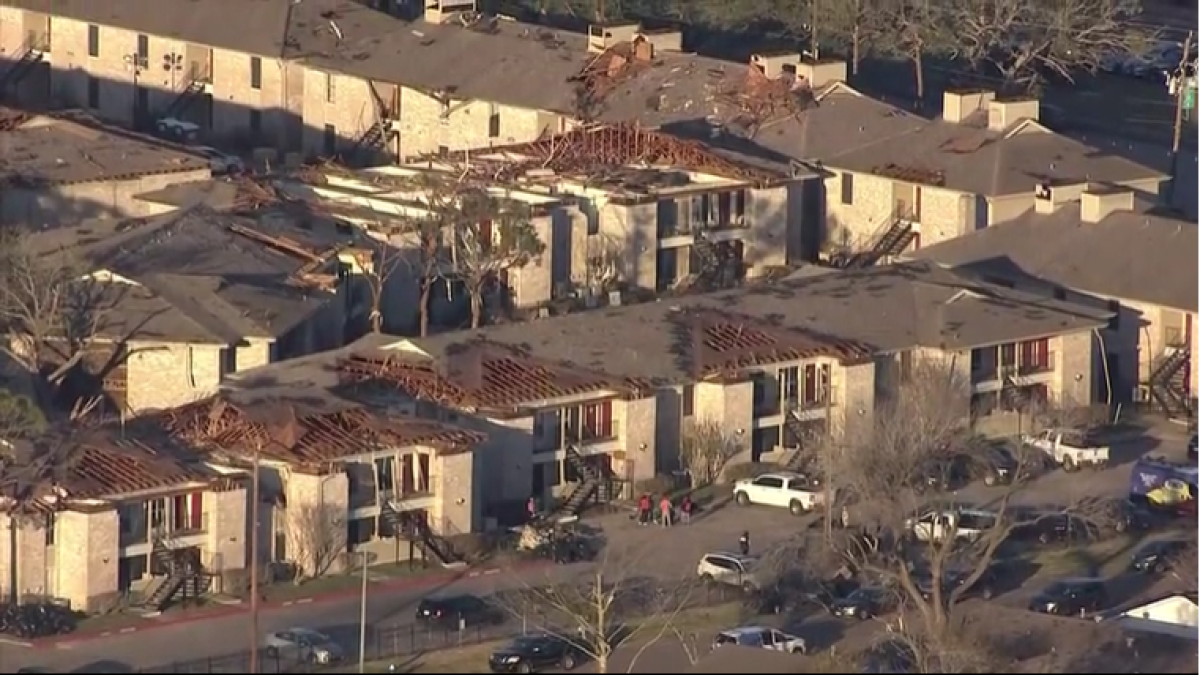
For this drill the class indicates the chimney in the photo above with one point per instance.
(444, 11)
(663, 39)
(1098, 203)
(959, 105)
(604, 35)
(1048, 198)
(775, 64)
(1004, 114)
(821, 72)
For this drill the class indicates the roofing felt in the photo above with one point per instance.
(47, 151)
(1140, 256)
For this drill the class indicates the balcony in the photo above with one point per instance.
(134, 533)
(585, 438)
(1032, 368)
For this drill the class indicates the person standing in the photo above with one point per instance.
(666, 507)
(531, 508)
(744, 543)
(644, 509)
(685, 510)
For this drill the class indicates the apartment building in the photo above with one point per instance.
(182, 300)
(67, 168)
(338, 478)
(131, 511)
(1102, 246)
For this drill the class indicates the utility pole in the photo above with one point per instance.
(1182, 87)
(254, 502)
(362, 619)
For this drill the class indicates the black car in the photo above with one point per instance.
(457, 612)
(1137, 516)
(1158, 556)
(1193, 453)
(945, 474)
(1057, 528)
(1070, 597)
(985, 587)
(530, 653)
(865, 603)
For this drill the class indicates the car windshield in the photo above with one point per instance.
(529, 642)
(311, 637)
(864, 595)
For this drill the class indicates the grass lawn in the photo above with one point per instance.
(339, 582)
(1103, 558)
(473, 658)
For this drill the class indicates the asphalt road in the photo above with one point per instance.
(226, 635)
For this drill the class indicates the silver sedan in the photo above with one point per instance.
(303, 644)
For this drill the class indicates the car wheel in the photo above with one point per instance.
(525, 667)
(989, 480)
(796, 507)
(1043, 538)
(987, 593)
(272, 652)
(568, 662)
(1121, 526)
(1068, 464)
(865, 615)
(799, 650)
(707, 578)
(742, 499)
(1159, 567)
(747, 587)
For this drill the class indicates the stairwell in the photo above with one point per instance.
(898, 236)
(30, 56)
(1169, 386)
(417, 530)
(796, 428)
(185, 578)
(372, 141)
(180, 105)
(592, 484)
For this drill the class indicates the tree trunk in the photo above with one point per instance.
(855, 54)
(919, 73)
(423, 304)
(476, 307)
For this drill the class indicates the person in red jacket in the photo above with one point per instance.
(644, 509)
(666, 507)
(685, 510)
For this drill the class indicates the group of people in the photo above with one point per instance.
(666, 510)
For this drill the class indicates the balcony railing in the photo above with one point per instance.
(583, 438)
(143, 533)
(988, 372)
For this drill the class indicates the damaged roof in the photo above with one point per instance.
(200, 277)
(1131, 255)
(48, 151)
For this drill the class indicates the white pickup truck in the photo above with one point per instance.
(793, 491)
(1069, 448)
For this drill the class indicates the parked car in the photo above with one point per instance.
(1071, 597)
(1070, 449)
(946, 474)
(1158, 556)
(221, 163)
(1193, 452)
(459, 611)
(985, 587)
(1001, 466)
(865, 603)
(730, 569)
(796, 492)
(303, 644)
(531, 653)
(1061, 528)
(961, 523)
(761, 636)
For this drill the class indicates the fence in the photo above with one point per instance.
(384, 643)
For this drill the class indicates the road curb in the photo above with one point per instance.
(433, 579)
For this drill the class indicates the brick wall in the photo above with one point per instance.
(86, 551)
(423, 129)
(637, 424)
(228, 536)
(73, 203)
(456, 507)
(341, 101)
(1074, 368)
(169, 375)
(871, 206)
(945, 214)
(314, 520)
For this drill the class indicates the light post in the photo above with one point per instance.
(362, 619)
(254, 525)
(136, 64)
(173, 64)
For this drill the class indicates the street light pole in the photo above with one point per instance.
(254, 501)
(362, 619)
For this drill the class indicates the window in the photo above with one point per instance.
(48, 526)
(93, 40)
(156, 510)
(385, 474)
(739, 206)
(597, 420)
(422, 472)
(847, 188)
(494, 121)
(329, 141)
(407, 485)
(228, 361)
(667, 217)
(1008, 354)
(330, 93)
(443, 151)
(815, 388)
(769, 482)
(93, 93)
(255, 122)
(255, 72)
(789, 384)
(689, 400)
(143, 48)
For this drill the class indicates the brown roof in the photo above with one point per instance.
(45, 151)
(306, 431)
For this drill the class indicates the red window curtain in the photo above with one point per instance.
(197, 510)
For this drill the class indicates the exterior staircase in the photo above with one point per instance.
(1169, 386)
(417, 530)
(185, 577)
(188, 96)
(592, 485)
(372, 141)
(792, 423)
(893, 241)
(31, 55)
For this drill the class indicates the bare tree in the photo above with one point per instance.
(316, 535)
(604, 264)
(918, 30)
(377, 265)
(893, 477)
(854, 25)
(1026, 39)
(705, 449)
(608, 609)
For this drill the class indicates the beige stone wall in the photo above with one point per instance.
(228, 537)
(633, 231)
(505, 458)
(314, 520)
(423, 129)
(532, 284)
(34, 561)
(456, 507)
(86, 550)
(254, 353)
(766, 239)
(234, 98)
(1074, 368)
(849, 224)
(637, 424)
(730, 405)
(12, 32)
(169, 375)
(945, 214)
(73, 203)
(341, 101)
(854, 397)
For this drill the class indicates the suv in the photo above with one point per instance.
(1158, 556)
(730, 569)
(763, 637)
(1070, 597)
(457, 612)
(794, 491)
(529, 653)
